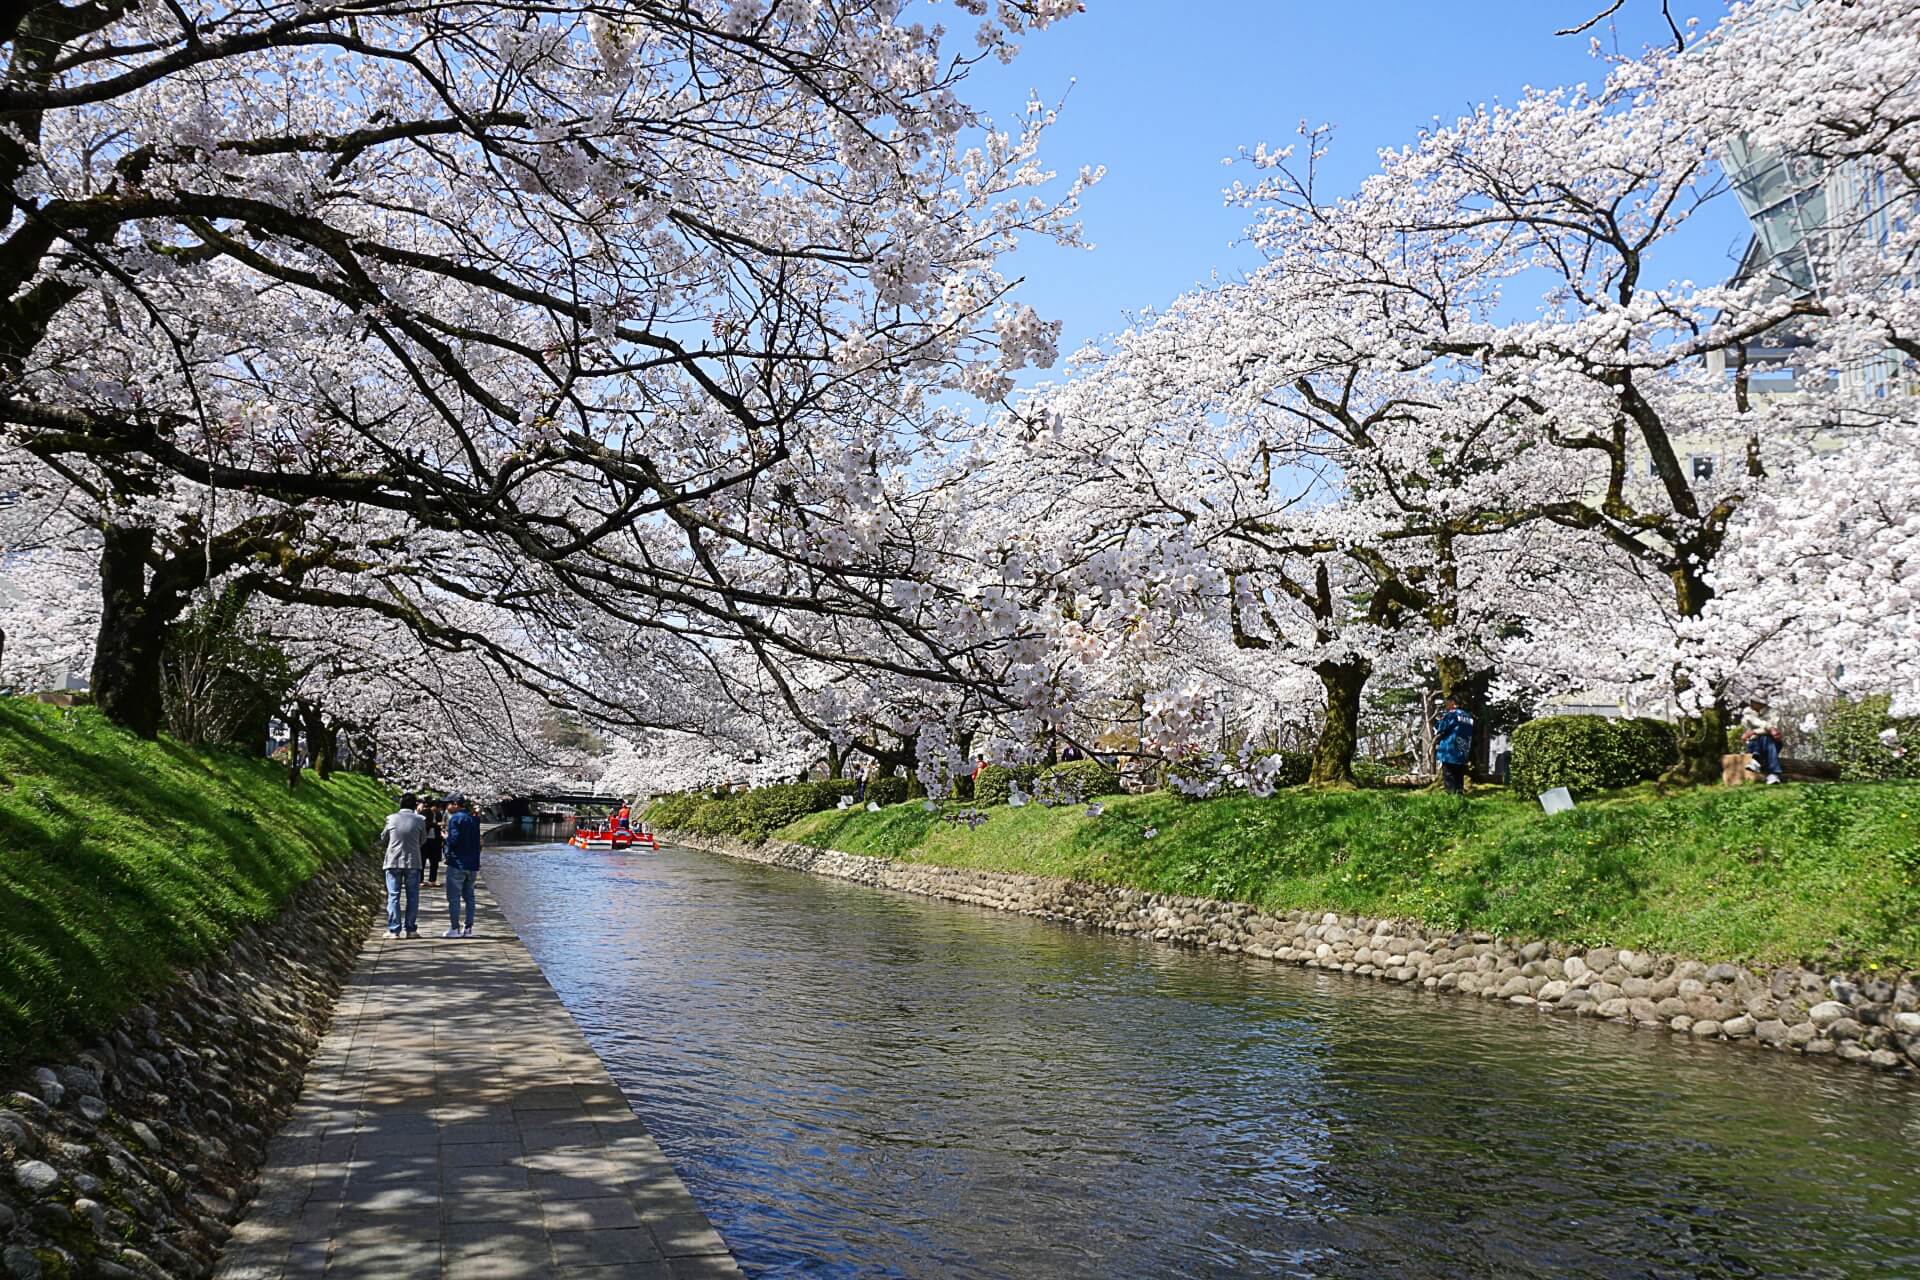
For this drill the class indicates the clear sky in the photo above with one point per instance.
(1159, 91)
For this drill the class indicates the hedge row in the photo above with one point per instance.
(883, 791)
(996, 780)
(1204, 773)
(754, 815)
(1586, 754)
(1071, 779)
(1852, 740)
(747, 815)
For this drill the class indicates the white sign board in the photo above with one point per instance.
(1558, 800)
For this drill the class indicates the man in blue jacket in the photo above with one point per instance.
(463, 863)
(1453, 746)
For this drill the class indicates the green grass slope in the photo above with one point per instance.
(123, 860)
(1827, 874)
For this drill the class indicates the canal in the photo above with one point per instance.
(858, 1083)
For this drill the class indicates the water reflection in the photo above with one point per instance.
(862, 1084)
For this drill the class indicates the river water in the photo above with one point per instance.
(858, 1083)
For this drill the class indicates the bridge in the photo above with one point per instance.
(576, 796)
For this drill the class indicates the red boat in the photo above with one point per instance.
(612, 838)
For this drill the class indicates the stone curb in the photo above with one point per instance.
(135, 1156)
(1871, 1020)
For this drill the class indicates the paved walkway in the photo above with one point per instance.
(455, 1124)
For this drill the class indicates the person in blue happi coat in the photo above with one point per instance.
(1453, 745)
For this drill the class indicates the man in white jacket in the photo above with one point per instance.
(400, 849)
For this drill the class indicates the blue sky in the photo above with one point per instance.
(1160, 92)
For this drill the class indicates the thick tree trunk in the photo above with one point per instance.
(1703, 738)
(322, 738)
(326, 741)
(1344, 682)
(295, 716)
(133, 634)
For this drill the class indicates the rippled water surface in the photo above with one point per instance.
(856, 1083)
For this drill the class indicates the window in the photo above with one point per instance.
(1702, 464)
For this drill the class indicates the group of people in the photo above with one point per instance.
(1453, 743)
(405, 843)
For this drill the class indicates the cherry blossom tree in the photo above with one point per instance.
(1819, 592)
(606, 291)
(1459, 413)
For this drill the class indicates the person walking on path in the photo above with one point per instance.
(1761, 739)
(400, 846)
(1453, 746)
(463, 864)
(431, 843)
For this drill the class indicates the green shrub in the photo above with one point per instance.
(1586, 754)
(716, 815)
(765, 810)
(886, 791)
(1295, 767)
(749, 815)
(1206, 772)
(1851, 739)
(672, 811)
(1194, 776)
(1084, 778)
(1655, 741)
(830, 791)
(996, 779)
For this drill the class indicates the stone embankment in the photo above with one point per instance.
(1872, 1020)
(132, 1155)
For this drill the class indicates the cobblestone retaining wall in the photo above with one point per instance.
(1872, 1020)
(133, 1155)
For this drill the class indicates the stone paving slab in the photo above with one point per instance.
(455, 1124)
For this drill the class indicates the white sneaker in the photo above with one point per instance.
(451, 933)
(467, 932)
(393, 933)
(1753, 766)
(1772, 778)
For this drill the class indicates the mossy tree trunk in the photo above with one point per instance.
(1703, 737)
(1344, 682)
(323, 739)
(145, 589)
(133, 632)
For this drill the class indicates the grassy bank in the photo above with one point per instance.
(122, 860)
(1827, 874)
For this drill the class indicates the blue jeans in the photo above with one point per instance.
(1765, 752)
(459, 890)
(403, 880)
